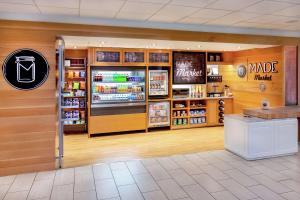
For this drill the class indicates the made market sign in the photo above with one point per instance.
(25, 69)
(263, 71)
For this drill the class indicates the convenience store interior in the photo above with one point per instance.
(177, 133)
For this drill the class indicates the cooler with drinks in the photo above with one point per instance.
(159, 114)
(158, 83)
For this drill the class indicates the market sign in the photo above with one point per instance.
(189, 68)
(263, 70)
(25, 69)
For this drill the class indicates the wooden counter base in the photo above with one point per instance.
(275, 113)
(117, 123)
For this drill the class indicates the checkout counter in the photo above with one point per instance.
(262, 133)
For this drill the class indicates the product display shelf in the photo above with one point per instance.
(194, 114)
(75, 87)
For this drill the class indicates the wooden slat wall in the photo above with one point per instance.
(27, 118)
(246, 90)
(291, 75)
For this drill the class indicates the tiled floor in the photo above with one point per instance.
(214, 175)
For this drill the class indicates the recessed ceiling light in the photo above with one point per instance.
(75, 47)
(199, 46)
(238, 47)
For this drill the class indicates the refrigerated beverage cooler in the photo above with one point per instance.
(159, 114)
(158, 83)
(117, 90)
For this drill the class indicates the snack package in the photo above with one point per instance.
(76, 85)
(75, 114)
(70, 74)
(82, 74)
(82, 85)
(76, 74)
(75, 102)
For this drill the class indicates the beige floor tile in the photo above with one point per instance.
(46, 175)
(89, 195)
(178, 158)
(102, 171)
(271, 173)
(238, 190)
(7, 180)
(22, 195)
(167, 163)
(118, 166)
(291, 174)
(149, 161)
(271, 184)
(294, 185)
(190, 168)
(62, 192)
(3, 190)
(196, 192)
(265, 193)
(245, 168)
(145, 182)
(22, 182)
(130, 192)
(291, 166)
(241, 178)
(291, 195)
(181, 177)
(64, 177)
(214, 172)
(106, 189)
(41, 189)
(274, 165)
(123, 177)
(136, 167)
(221, 165)
(171, 189)
(155, 195)
(224, 195)
(208, 183)
(195, 159)
(84, 182)
(83, 170)
(158, 172)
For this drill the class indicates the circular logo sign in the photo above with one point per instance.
(25, 69)
(241, 71)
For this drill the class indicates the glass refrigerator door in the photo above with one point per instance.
(159, 114)
(158, 82)
(118, 86)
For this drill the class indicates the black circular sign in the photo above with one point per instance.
(25, 69)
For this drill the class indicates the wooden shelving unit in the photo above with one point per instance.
(74, 96)
(192, 114)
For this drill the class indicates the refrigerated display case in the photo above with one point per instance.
(159, 114)
(117, 85)
(158, 83)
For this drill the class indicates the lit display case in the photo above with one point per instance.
(117, 86)
(158, 83)
(159, 114)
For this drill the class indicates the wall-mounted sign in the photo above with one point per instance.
(241, 71)
(25, 69)
(189, 68)
(263, 70)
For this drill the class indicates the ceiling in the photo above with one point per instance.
(240, 15)
(84, 42)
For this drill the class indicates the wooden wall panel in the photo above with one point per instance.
(246, 90)
(291, 75)
(27, 118)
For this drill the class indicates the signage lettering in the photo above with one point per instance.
(265, 68)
